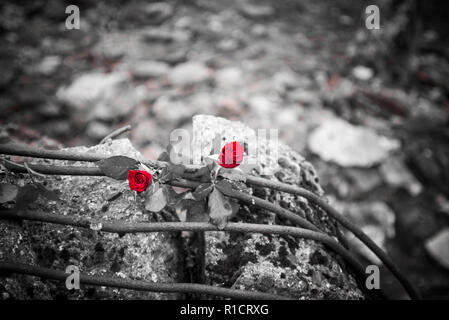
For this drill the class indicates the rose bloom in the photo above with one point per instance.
(231, 155)
(139, 180)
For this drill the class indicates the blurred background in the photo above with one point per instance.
(368, 108)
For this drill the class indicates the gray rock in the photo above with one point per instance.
(150, 257)
(228, 44)
(87, 89)
(256, 11)
(189, 73)
(101, 96)
(228, 77)
(149, 69)
(172, 111)
(293, 267)
(285, 81)
(175, 111)
(303, 96)
(158, 12)
(260, 104)
(97, 130)
(362, 73)
(396, 174)
(350, 146)
(438, 247)
(376, 219)
(49, 65)
(363, 179)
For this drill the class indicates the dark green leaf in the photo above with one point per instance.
(156, 201)
(176, 169)
(202, 174)
(195, 211)
(224, 186)
(25, 196)
(49, 194)
(8, 192)
(202, 191)
(164, 156)
(173, 197)
(220, 210)
(235, 206)
(117, 167)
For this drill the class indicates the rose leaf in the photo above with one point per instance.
(219, 209)
(202, 191)
(117, 167)
(52, 195)
(156, 201)
(8, 192)
(26, 195)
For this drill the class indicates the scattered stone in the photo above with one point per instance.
(443, 204)
(101, 96)
(228, 77)
(285, 81)
(87, 89)
(172, 111)
(305, 97)
(376, 219)
(189, 73)
(260, 104)
(228, 45)
(158, 12)
(287, 117)
(348, 145)
(256, 11)
(149, 69)
(146, 131)
(396, 174)
(363, 179)
(259, 30)
(229, 106)
(49, 65)
(165, 35)
(50, 110)
(362, 73)
(97, 130)
(438, 247)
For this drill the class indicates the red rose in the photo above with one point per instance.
(231, 155)
(139, 180)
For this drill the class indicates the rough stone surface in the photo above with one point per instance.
(299, 268)
(283, 265)
(150, 257)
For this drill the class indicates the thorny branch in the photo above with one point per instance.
(123, 227)
(15, 149)
(14, 267)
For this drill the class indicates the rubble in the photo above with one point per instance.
(349, 145)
